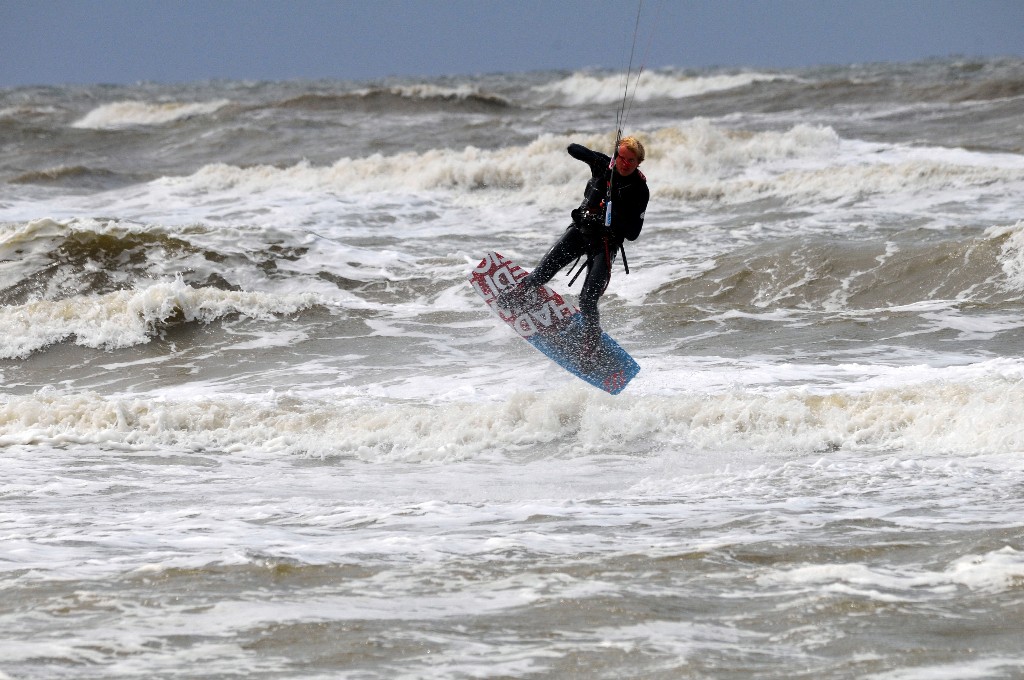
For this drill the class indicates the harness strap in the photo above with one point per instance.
(608, 259)
(589, 260)
(579, 271)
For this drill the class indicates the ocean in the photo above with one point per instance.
(254, 421)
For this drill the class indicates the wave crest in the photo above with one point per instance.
(131, 317)
(585, 88)
(696, 161)
(970, 414)
(123, 114)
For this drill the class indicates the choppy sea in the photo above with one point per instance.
(255, 423)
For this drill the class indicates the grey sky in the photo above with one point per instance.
(124, 41)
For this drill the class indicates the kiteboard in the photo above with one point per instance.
(553, 326)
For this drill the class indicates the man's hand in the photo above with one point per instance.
(591, 225)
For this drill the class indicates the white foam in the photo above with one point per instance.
(977, 669)
(997, 571)
(580, 89)
(130, 113)
(540, 172)
(689, 166)
(1012, 252)
(130, 317)
(428, 91)
(957, 410)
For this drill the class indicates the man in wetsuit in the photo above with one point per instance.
(588, 236)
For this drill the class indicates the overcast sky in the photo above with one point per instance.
(125, 41)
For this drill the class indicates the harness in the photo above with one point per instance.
(593, 205)
(589, 260)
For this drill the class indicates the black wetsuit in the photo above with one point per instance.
(587, 235)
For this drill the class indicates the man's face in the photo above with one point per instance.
(626, 161)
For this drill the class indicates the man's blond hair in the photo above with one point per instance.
(634, 145)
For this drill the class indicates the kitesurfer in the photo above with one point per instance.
(592, 234)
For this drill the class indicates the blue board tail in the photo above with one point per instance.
(609, 368)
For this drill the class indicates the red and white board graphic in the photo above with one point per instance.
(553, 326)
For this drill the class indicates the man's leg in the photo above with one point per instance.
(566, 249)
(569, 247)
(594, 285)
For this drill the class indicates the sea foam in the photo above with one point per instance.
(130, 317)
(966, 411)
(130, 113)
(583, 88)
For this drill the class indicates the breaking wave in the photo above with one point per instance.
(972, 413)
(138, 113)
(131, 317)
(585, 88)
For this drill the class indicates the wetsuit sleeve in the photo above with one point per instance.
(597, 161)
